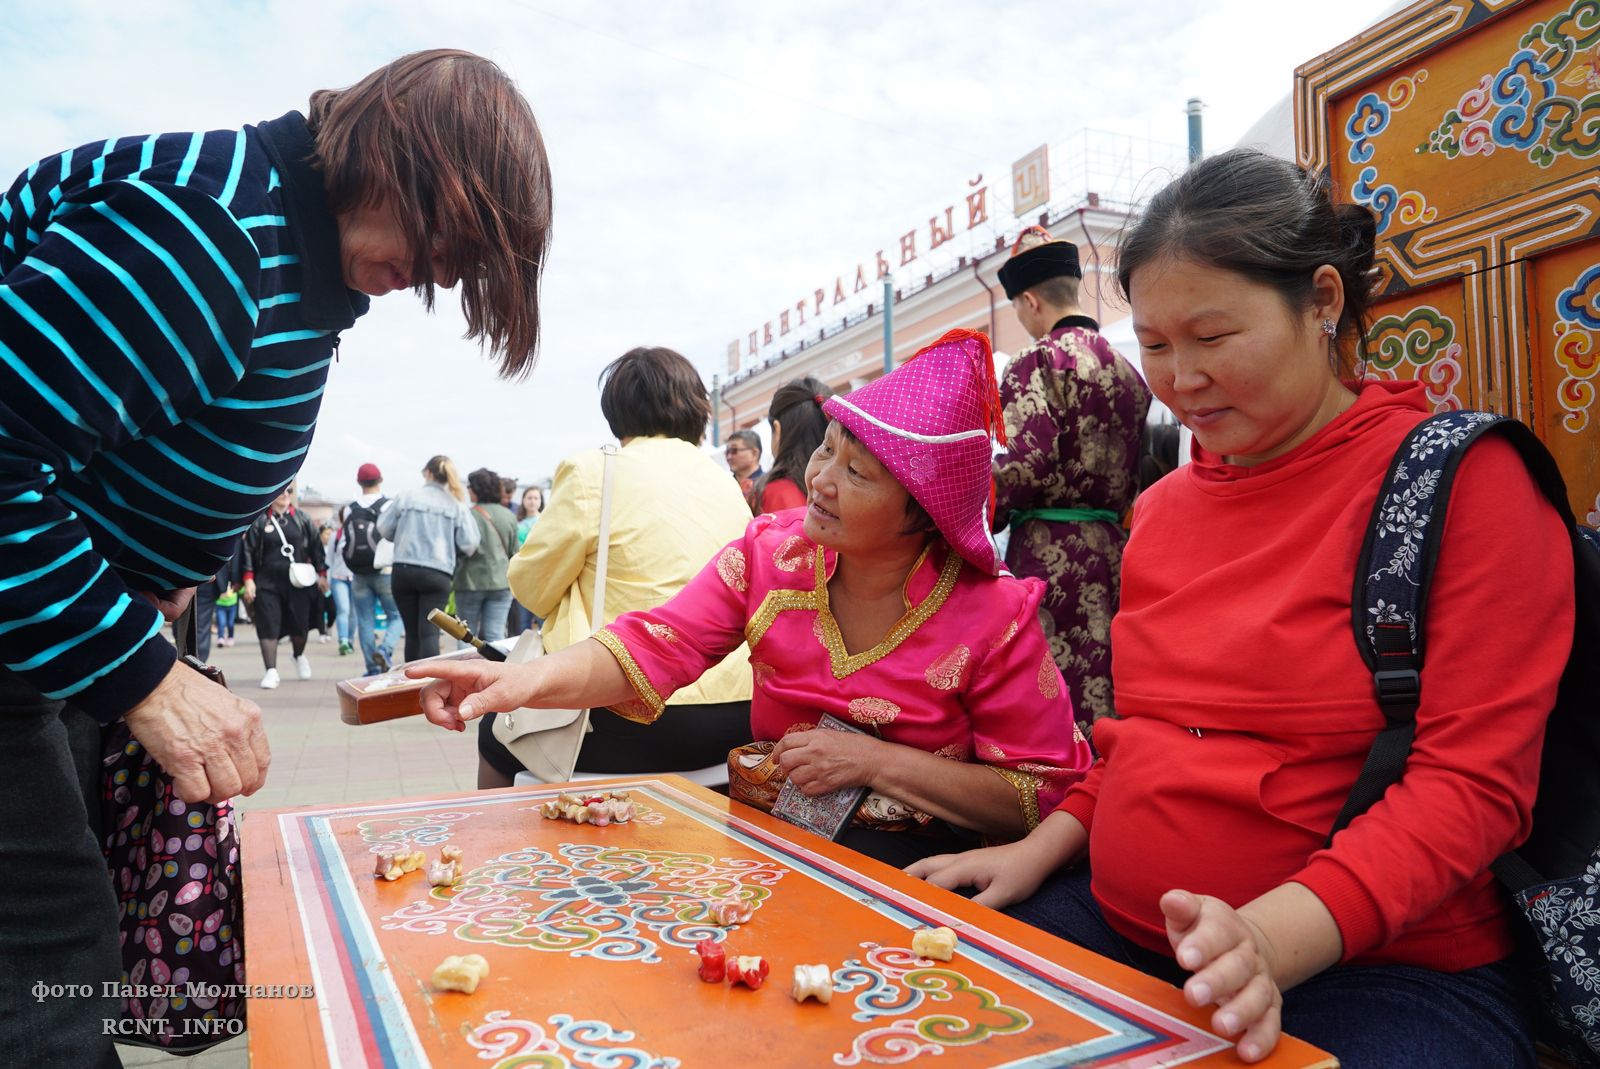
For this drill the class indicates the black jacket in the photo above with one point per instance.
(262, 552)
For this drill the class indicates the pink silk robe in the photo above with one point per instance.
(966, 674)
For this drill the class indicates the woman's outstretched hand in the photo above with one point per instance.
(465, 690)
(1002, 875)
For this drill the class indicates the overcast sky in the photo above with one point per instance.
(713, 162)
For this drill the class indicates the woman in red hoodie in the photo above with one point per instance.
(1244, 710)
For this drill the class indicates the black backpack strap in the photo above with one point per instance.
(1393, 574)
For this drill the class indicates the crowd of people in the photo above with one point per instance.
(1133, 729)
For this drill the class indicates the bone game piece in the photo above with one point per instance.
(813, 981)
(444, 873)
(460, 973)
(601, 810)
(449, 854)
(726, 912)
(749, 970)
(413, 861)
(386, 864)
(936, 943)
(713, 961)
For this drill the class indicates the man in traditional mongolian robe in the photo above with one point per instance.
(1074, 413)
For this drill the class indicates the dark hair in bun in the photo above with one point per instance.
(1269, 220)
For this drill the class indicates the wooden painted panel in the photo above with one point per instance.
(1427, 335)
(589, 931)
(1476, 152)
(1471, 129)
(1564, 300)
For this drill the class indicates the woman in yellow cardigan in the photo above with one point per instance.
(672, 509)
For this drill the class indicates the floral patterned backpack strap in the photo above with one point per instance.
(1393, 573)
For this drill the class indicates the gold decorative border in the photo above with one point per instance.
(843, 662)
(1027, 787)
(636, 677)
(775, 602)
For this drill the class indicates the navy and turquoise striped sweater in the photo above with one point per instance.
(169, 307)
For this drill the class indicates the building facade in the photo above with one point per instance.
(1081, 190)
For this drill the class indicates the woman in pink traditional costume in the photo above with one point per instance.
(881, 603)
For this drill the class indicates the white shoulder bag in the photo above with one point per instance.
(301, 574)
(547, 741)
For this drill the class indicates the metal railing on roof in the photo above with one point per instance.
(1096, 169)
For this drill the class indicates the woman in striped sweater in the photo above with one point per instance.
(169, 308)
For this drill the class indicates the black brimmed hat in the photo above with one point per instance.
(1037, 257)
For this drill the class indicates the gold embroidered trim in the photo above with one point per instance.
(845, 663)
(1027, 788)
(636, 710)
(842, 662)
(636, 677)
(775, 602)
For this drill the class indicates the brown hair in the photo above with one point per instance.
(1270, 221)
(797, 408)
(446, 141)
(442, 470)
(486, 485)
(523, 513)
(651, 391)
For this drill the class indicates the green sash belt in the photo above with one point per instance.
(1018, 518)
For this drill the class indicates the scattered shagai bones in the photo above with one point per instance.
(813, 981)
(608, 807)
(393, 862)
(938, 944)
(713, 961)
(460, 973)
(726, 912)
(749, 970)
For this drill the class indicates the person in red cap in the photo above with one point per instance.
(369, 558)
(882, 604)
(1075, 412)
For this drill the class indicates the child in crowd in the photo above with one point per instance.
(1197, 849)
(227, 615)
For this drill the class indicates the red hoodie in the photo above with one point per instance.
(1246, 711)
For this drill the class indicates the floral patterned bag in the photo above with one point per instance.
(1554, 877)
(175, 871)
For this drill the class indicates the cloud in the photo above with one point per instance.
(712, 162)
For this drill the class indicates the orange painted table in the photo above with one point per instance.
(588, 932)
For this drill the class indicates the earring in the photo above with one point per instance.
(1330, 328)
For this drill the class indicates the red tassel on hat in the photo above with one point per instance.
(993, 413)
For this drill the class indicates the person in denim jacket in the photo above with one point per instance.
(430, 527)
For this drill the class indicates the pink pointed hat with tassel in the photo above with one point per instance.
(932, 422)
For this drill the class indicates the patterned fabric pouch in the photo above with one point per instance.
(175, 871)
(755, 779)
